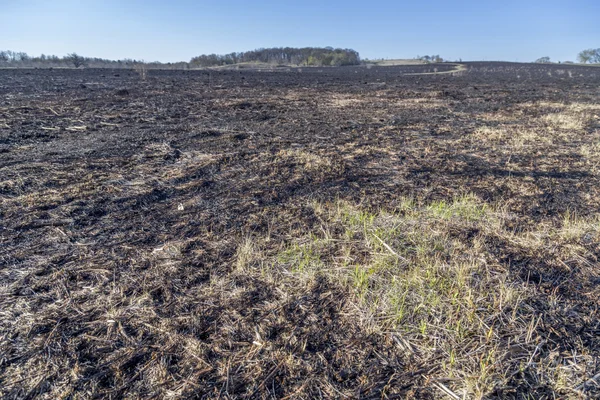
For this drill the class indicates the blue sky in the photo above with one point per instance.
(180, 29)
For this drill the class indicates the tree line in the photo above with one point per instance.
(308, 56)
(15, 59)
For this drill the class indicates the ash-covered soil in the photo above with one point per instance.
(124, 203)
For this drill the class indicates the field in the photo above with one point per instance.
(354, 232)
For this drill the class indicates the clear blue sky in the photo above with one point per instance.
(180, 29)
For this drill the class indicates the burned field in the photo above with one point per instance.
(348, 232)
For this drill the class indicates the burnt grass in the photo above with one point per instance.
(124, 203)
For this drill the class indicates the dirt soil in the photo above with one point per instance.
(125, 203)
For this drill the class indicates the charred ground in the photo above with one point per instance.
(230, 233)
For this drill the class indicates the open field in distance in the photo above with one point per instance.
(384, 232)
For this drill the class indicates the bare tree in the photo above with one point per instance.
(75, 59)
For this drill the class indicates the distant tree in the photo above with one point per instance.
(75, 59)
(21, 56)
(431, 59)
(589, 56)
(311, 60)
(543, 60)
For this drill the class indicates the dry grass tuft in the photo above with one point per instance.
(428, 276)
(308, 161)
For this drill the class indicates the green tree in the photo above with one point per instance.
(589, 56)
